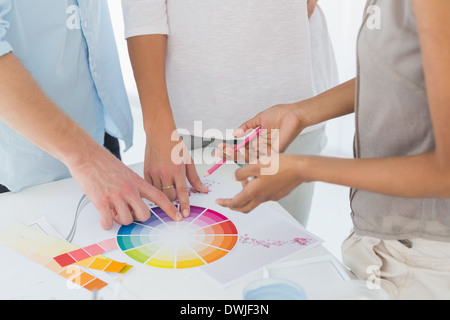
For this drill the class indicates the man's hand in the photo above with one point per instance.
(116, 191)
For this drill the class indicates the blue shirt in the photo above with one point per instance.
(69, 48)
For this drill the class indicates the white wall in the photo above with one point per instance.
(344, 18)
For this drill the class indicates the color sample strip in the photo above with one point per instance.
(104, 264)
(109, 244)
(61, 246)
(43, 252)
(84, 253)
(86, 257)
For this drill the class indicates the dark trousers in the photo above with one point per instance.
(111, 143)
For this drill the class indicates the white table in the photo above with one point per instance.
(143, 282)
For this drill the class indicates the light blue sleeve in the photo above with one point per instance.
(5, 7)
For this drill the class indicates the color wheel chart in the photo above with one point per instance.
(203, 238)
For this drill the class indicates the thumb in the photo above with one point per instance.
(247, 172)
(247, 126)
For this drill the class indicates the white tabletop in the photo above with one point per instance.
(143, 282)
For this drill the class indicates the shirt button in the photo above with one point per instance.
(85, 24)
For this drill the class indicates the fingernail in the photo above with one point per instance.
(185, 213)
(178, 216)
(237, 132)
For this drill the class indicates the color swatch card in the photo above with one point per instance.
(41, 248)
(24, 279)
(89, 257)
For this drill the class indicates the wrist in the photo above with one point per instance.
(83, 151)
(304, 111)
(156, 112)
(161, 132)
(157, 123)
(304, 169)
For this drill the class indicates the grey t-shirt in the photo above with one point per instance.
(393, 119)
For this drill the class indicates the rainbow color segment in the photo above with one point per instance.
(202, 238)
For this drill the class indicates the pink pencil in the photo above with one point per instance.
(252, 136)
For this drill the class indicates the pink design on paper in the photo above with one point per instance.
(245, 239)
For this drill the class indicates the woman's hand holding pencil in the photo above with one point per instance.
(243, 144)
(279, 125)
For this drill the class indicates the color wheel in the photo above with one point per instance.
(203, 238)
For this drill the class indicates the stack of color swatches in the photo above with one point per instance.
(89, 257)
(41, 249)
(203, 238)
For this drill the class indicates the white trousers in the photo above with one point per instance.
(417, 272)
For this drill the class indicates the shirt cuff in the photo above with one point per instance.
(5, 48)
(145, 30)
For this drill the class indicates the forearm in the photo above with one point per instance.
(28, 111)
(114, 189)
(419, 176)
(148, 59)
(336, 102)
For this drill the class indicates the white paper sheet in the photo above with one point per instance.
(265, 235)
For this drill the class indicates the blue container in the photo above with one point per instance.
(274, 289)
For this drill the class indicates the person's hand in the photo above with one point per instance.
(280, 126)
(117, 191)
(114, 189)
(312, 4)
(261, 185)
(168, 163)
